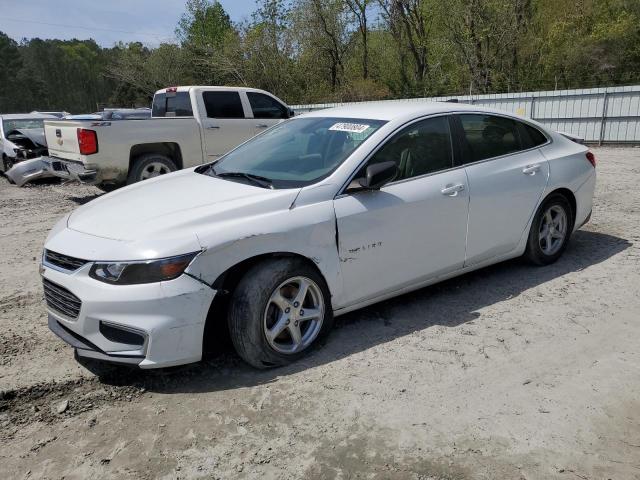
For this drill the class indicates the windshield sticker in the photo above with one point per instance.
(349, 127)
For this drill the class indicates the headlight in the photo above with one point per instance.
(145, 271)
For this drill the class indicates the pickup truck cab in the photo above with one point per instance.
(188, 126)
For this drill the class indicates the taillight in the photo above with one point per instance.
(88, 141)
(172, 90)
(592, 158)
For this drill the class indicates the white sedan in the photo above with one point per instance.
(320, 215)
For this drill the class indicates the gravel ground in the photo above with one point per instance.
(508, 372)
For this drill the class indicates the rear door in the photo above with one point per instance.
(507, 177)
(266, 110)
(224, 121)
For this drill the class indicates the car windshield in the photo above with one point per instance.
(297, 152)
(22, 124)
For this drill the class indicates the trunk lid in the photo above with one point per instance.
(62, 139)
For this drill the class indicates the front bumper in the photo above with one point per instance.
(70, 170)
(170, 316)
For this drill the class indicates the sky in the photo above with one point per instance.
(106, 21)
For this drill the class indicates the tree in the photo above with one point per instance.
(359, 9)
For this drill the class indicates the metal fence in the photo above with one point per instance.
(598, 115)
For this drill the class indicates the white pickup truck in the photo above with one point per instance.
(188, 126)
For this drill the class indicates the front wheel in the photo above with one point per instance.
(279, 311)
(550, 231)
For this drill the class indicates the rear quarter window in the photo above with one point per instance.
(172, 104)
(532, 137)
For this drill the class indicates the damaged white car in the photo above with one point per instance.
(23, 143)
(318, 216)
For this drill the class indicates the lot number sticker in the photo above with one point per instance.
(349, 127)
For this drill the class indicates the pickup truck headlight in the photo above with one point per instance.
(144, 271)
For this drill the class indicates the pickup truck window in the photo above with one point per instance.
(263, 106)
(172, 104)
(223, 104)
(297, 152)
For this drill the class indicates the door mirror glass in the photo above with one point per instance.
(378, 175)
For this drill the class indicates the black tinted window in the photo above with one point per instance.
(263, 106)
(172, 104)
(535, 136)
(489, 136)
(421, 148)
(223, 104)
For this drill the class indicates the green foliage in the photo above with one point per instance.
(340, 50)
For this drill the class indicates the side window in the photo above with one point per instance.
(223, 104)
(421, 148)
(489, 136)
(263, 106)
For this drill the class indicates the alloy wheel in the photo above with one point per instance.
(294, 315)
(553, 230)
(154, 169)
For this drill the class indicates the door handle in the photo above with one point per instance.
(262, 125)
(531, 169)
(452, 190)
(213, 127)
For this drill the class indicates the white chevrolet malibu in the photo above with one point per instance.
(320, 215)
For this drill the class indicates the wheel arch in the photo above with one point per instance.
(571, 198)
(168, 149)
(216, 325)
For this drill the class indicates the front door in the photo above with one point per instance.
(412, 229)
(223, 122)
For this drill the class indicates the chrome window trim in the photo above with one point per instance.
(342, 193)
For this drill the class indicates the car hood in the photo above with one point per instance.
(175, 204)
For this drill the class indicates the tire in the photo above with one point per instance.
(160, 165)
(544, 249)
(253, 312)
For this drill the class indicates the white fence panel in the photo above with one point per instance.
(599, 115)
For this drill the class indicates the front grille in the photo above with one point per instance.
(61, 300)
(63, 261)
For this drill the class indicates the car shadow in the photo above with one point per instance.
(85, 199)
(449, 304)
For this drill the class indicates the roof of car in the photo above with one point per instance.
(390, 110)
(25, 116)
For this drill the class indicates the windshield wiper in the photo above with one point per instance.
(263, 182)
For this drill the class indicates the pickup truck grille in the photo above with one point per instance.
(60, 299)
(63, 261)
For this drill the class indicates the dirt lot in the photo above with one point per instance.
(509, 372)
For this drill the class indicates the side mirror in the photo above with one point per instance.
(379, 174)
(291, 113)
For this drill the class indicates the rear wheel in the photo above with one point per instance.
(279, 311)
(550, 231)
(149, 166)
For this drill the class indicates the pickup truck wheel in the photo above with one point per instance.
(279, 311)
(149, 166)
